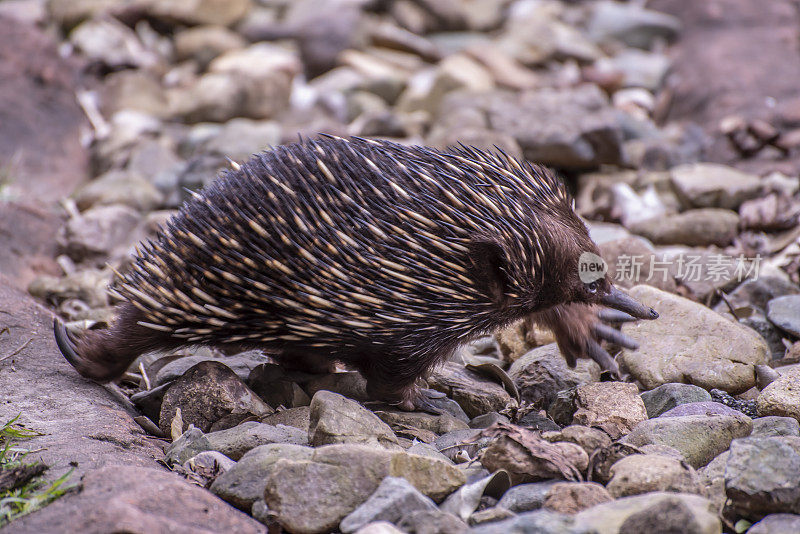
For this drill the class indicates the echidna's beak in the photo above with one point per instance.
(621, 301)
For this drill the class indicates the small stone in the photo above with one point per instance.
(541, 373)
(119, 187)
(781, 397)
(784, 312)
(297, 417)
(574, 454)
(667, 516)
(700, 438)
(243, 484)
(699, 227)
(761, 476)
(667, 396)
(614, 407)
(589, 439)
(690, 343)
(526, 497)
(98, 232)
(336, 419)
(572, 497)
(393, 499)
(631, 24)
(540, 521)
(204, 43)
(490, 515)
(746, 406)
(643, 473)
(207, 393)
(701, 408)
(173, 368)
(775, 426)
(710, 185)
(488, 419)
(379, 527)
(235, 442)
(350, 384)
(535, 421)
(432, 522)
(198, 12)
(476, 394)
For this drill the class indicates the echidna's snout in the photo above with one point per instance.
(619, 300)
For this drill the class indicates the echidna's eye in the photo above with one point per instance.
(591, 287)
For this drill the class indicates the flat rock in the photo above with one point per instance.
(697, 513)
(761, 476)
(781, 397)
(643, 473)
(82, 423)
(690, 343)
(668, 396)
(699, 438)
(137, 499)
(337, 419)
(701, 408)
(244, 483)
(710, 185)
(776, 524)
(393, 499)
(784, 312)
(698, 227)
(352, 473)
(614, 407)
(773, 425)
(432, 522)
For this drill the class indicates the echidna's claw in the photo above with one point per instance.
(65, 343)
(614, 336)
(602, 357)
(609, 315)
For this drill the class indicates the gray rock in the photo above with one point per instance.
(761, 476)
(393, 499)
(757, 293)
(536, 421)
(701, 408)
(336, 419)
(639, 68)
(775, 426)
(379, 527)
(667, 516)
(784, 312)
(243, 484)
(526, 497)
(120, 187)
(412, 422)
(781, 397)
(210, 394)
(541, 521)
(589, 439)
(112, 44)
(712, 480)
(198, 12)
(204, 43)
(98, 232)
(699, 227)
(710, 185)
(239, 139)
(643, 473)
(667, 396)
(432, 522)
(297, 417)
(690, 343)
(776, 524)
(235, 442)
(488, 419)
(457, 442)
(541, 373)
(351, 473)
(474, 393)
(350, 384)
(490, 515)
(695, 513)
(700, 438)
(631, 24)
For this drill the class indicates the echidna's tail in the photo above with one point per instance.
(104, 355)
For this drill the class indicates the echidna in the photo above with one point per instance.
(381, 256)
